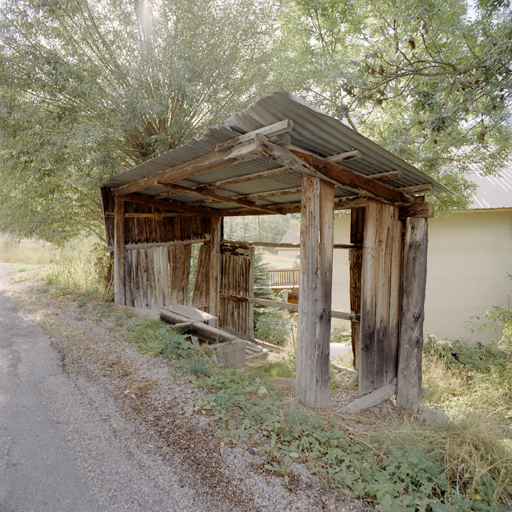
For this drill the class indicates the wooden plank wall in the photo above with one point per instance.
(380, 296)
(237, 282)
(158, 276)
(237, 279)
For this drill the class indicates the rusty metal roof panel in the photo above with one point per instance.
(312, 131)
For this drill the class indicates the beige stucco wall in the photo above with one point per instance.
(468, 259)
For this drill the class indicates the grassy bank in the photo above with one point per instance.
(462, 465)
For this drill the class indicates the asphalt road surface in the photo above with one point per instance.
(57, 451)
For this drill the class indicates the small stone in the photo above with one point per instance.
(252, 451)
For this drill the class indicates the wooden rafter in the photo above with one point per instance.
(215, 197)
(307, 162)
(209, 162)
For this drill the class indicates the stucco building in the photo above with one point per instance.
(469, 255)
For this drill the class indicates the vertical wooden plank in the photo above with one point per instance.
(136, 287)
(150, 258)
(368, 299)
(414, 277)
(314, 318)
(380, 291)
(119, 274)
(394, 301)
(128, 278)
(250, 294)
(215, 269)
(357, 216)
(183, 255)
(201, 285)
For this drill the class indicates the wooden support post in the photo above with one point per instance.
(414, 272)
(215, 269)
(380, 291)
(119, 284)
(356, 265)
(314, 319)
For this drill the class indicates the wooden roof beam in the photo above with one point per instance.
(279, 171)
(240, 151)
(167, 205)
(215, 197)
(307, 162)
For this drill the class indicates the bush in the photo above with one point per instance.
(274, 326)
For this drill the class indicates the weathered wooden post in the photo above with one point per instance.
(119, 281)
(380, 292)
(356, 264)
(315, 282)
(215, 269)
(414, 272)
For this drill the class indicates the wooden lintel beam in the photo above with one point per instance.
(351, 179)
(166, 205)
(420, 209)
(216, 197)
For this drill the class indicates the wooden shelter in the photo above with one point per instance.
(281, 156)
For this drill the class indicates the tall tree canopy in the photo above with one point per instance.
(90, 87)
(424, 78)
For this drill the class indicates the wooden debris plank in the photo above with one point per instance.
(372, 399)
(209, 162)
(351, 179)
(270, 131)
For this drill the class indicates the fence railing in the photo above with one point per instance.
(284, 278)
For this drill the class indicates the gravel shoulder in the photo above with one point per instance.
(125, 424)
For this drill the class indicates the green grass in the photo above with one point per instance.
(463, 466)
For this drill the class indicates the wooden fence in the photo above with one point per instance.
(284, 278)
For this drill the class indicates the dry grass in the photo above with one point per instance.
(30, 252)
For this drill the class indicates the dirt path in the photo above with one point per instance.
(87, 420)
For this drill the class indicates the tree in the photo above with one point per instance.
(421, 78)
(89, 88)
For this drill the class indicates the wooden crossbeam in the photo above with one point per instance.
(167, 205)
(352, 179)
(215, 197)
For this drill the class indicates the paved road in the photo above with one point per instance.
(57, 451)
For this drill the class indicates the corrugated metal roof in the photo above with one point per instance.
(493, 191)
(312, 131)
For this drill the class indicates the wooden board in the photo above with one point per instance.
(119, 277)
(356, 262)
(380, 291)
(411, 328)
(314, 319)
(237, 288)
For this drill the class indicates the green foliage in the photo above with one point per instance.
(88, 89)
(411, 467)
(422, 79)
(340, 336)
(274, 326)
